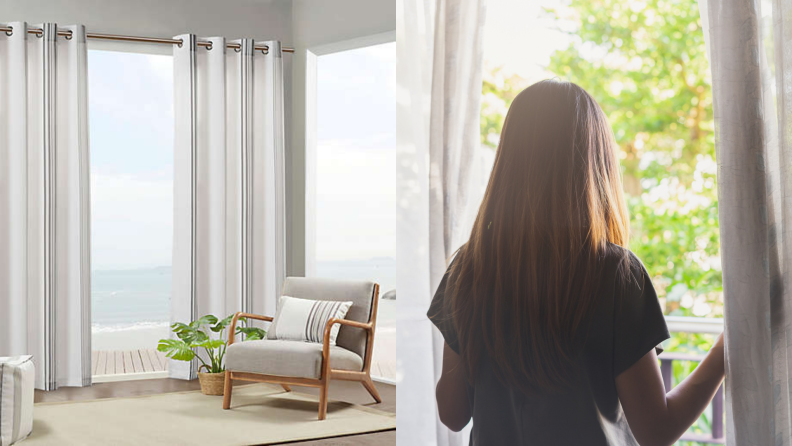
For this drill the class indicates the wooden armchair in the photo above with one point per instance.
(311, 364)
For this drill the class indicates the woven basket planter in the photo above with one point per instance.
(212, 383)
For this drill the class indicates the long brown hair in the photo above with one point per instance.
(520, 289)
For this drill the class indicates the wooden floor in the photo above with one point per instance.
(339, 390)
(128, 361)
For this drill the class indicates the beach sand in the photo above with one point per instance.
(133, 338)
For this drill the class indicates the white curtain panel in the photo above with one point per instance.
(440, 80)
(228, 244)
(45, 299)
(751, 81)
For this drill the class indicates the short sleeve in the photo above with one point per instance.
(440, 315)
(639, 324)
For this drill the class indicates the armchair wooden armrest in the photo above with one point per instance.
(326, 341)
(333, 321)
(363, 376)
(232, 331)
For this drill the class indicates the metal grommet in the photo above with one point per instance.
(11, 32)
(181, 41)
(238, 50)
(39, 34)
(209, 47)
(70, 35)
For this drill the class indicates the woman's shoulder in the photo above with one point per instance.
(629, 269)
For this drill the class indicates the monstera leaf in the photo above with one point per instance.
(251, 333)
(189, 333)
(210, 344)
(203, 320)
(176, 349)
(222, 324)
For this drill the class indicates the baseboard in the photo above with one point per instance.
(380, 379)
(128, 377)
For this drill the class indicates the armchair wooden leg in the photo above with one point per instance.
(323, 400)
(286, 388)
(227, 386)
(369, 385)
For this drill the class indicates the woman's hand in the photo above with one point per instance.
(657, 418)
(718, 343)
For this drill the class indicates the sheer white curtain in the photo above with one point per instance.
(228, 244)
(751, 81)
(45, 299)
(440, 80)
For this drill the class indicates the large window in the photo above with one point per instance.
(645, 63)
(131, 131)
(355, 185)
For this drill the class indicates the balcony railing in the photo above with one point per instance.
(695, 325)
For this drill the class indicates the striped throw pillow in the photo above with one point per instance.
(305, 319)
(17, 376)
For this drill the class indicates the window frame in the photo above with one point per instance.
(311, 105)
(129, 48)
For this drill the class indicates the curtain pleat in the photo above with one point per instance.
(228, 181)
(45, 203)
(268, 182)
(185, 201)
(750, 76)
(440, 57)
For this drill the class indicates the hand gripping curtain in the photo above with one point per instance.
(45, 299)
(441, 45)
(228, 243)
(752, 101)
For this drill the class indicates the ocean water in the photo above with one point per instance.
(123, 299)
(380, 269)
(138, 298)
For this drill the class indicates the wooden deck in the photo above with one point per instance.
(128, 361)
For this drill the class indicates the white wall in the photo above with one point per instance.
(320, 25)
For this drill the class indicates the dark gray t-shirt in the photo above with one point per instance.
(626, 322)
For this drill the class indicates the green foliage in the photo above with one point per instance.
(498, 92)
(252, 333)
(176, 349)
(194, 336)
(645, 64)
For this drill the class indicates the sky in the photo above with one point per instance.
(520, 37)
(131, 131)
(130, 98)
(356, 154)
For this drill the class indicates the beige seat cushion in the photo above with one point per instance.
(296, 359)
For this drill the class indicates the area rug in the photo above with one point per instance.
(259, 414)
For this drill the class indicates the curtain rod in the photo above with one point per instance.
(67, 33)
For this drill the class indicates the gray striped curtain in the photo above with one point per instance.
(45, 299)
(228, 245)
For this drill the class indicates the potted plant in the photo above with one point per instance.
(194, 336)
